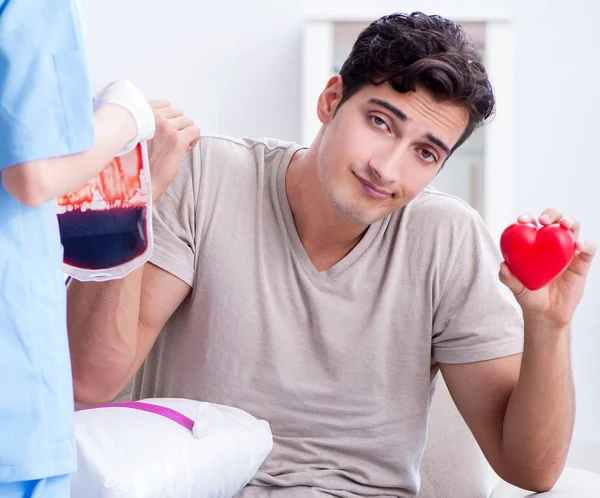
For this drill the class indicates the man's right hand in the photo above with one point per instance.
(175, 135)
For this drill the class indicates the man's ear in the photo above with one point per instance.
(329, 99)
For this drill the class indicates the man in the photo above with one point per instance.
(323, 288)
(51, 142)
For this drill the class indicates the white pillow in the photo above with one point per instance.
(125, 453)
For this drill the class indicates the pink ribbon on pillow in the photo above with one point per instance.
(163, 411)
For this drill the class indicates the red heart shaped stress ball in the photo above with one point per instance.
(537, 256)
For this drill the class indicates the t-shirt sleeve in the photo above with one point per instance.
(477, 317)
(174, 221)
(45, 90)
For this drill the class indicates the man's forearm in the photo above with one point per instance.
(102, 319)
(540, 415)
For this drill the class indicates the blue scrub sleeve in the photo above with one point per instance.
(45, 89)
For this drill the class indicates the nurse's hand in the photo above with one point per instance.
(175, 135)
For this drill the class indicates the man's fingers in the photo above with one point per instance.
(550, 216)
(585, 256)
(195, 142)
(182, 122)
(159, 103)
(174, 123)
(526, 218)
(508, 279)
(190, 135)
(169, 112)
(572, 224)
(583, 259)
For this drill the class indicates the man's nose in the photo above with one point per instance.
(386, 167)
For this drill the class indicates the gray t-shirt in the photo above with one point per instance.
(340, 362)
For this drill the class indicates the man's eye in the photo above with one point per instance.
(378, 122)
(428, 156)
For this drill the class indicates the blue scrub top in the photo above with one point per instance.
(45, 112)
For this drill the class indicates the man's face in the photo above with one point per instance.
(382, 147)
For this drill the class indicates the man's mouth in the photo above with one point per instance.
(372, 190)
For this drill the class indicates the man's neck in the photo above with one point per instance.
(326, 236)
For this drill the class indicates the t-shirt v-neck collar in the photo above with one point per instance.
(300, 253)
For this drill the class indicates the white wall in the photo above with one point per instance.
(232, 65)
(463, 9)
(235, 67)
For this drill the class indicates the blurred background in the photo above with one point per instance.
(255, 69)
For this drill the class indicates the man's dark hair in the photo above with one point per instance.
(411, 50)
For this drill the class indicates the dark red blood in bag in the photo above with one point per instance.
(104, 238)
(104, 224)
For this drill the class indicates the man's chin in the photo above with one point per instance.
(355, 212)
(360, 218)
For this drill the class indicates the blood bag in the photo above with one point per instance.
(106, 225)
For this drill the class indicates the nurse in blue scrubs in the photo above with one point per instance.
(51, 142)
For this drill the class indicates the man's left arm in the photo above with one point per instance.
(521, 408)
